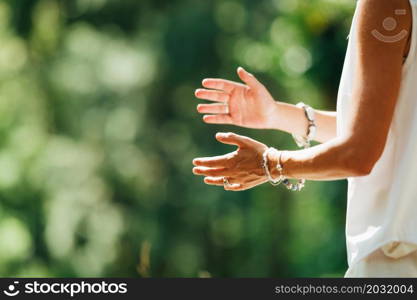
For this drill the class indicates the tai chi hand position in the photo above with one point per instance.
(250, 105)
(376, 82)
(371, 139)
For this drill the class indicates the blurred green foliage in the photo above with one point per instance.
(98, 130)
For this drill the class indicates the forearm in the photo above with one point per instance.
(333, 160)
(291, 119)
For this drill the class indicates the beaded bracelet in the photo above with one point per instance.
(304, 141)
(281, 179)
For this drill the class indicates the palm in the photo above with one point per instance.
(248, 105)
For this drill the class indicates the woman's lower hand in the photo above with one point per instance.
(236, 171)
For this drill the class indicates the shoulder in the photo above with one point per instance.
(384, 4)
(387, 15)
(384, 27)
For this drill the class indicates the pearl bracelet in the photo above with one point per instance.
(304, 141)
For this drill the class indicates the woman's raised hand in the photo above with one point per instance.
(247, 105)
(237, 171)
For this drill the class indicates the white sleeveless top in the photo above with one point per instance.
(382, 206)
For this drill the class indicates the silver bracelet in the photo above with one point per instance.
(281, 179)
(305, 141)
(302, 142)
(296, 187)
(271, 180)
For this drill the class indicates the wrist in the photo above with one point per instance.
(275, 173)
(272, 116)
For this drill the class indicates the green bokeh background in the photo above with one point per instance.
(98, 129)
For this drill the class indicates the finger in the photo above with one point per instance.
(211, 172)
(218, 119)
(218, 181)
(234, 187)
(212, 162)
(248, 78)
(212, 95)
(220, 84)
(234, 139)
(213, 108)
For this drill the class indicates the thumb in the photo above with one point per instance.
(233, 139)
(248, 78)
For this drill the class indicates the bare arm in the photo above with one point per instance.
(291, 119)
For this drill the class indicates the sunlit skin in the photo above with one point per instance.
(349, 154)
(251, 105)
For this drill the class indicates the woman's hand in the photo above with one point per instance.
(237, 171)
(247, 105)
